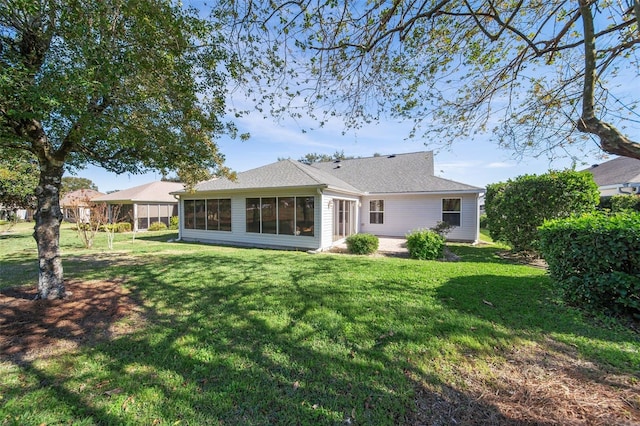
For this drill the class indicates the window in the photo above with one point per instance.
(219, 215)
(305, 216)
(451, 211)
(209, 215)
(287, 215)
(281, 215)
(253, 215)
(376, 211)
(269, 216)
(189, 214)
(201, 214)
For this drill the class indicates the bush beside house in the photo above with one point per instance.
(425, 244)
(362, 243)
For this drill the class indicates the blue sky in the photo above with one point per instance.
(475, 162)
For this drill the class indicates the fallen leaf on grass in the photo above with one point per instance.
(115, 391)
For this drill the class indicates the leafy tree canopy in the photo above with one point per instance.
(73, 183)
(128, 86)
(314, 157)
(541, 75)
(18, 178)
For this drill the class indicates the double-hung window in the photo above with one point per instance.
(376, 211)
(451, 211)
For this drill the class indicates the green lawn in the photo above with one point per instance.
(245, 336)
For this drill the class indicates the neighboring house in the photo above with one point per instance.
(7, 213)
(292, 205)
(143, 205)
(75, 205)
(618, 176)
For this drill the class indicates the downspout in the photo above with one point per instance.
(177, 197)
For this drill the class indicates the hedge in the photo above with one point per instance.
(595, 260)
(516, 208)
(117, 227)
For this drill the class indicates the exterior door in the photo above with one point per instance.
(344, 212)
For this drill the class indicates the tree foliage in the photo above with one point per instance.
(540, 75)
(73, 183)
(127, 86)
(516, 208)
(18, 179)
(314, 157)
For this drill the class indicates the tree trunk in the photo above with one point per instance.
(47, 233)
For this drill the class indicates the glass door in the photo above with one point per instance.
(344, 212)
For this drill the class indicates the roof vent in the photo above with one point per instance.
(336, 161)
(595, 165)
(392, 156)
(338, 166)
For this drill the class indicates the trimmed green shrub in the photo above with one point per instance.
(123, 227)
(595, 260)
(157, 226)
(516, 208)
(362, 243)
(621, 203)
(174, 222)
(425, 244)
(116, 227)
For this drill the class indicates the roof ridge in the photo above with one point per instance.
(319, 175)
(375, 156)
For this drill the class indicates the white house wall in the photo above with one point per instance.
(405, 213)
(239, 236)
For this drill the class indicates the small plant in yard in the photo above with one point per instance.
(442, 228)
(157, 226)
(362, 243)
(425, 244)
(174, 222)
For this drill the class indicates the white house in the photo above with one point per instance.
(620, 176)
(313, 207)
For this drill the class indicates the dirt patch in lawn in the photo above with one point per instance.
(543, 384)
(31, 329)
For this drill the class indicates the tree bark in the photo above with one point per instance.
(611, 139)
(47, 232)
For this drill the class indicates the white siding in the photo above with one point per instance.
(328, 202)
(404, 213)
(239, 236)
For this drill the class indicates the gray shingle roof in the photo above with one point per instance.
(154, 192)
(385, 174)
(399, 173)
(283, 174)
(617, 171)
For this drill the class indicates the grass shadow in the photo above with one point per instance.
(528, 306)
